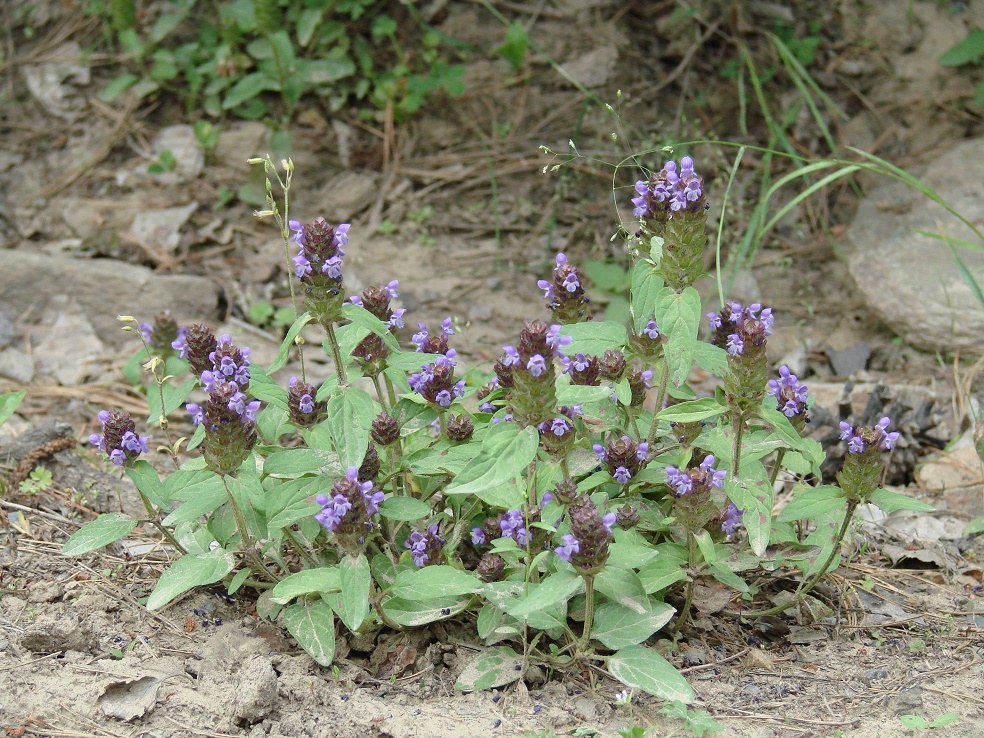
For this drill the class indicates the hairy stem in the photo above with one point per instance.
(588, 611)
(664, 378)
(336, 353)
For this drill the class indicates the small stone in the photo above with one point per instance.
(16, 365)
(180, 140)
(239, 142)
(256, 692)
(158, 231)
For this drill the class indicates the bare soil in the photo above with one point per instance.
(903, 635)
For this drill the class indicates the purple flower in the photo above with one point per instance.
(791, 396)
(651, 330)
(599, 451)
(373, 501)
(307, 403)
(396, 319)
(571, 546)
(714, 320)
(332, 267)
(846, 430)
(571, 282)
(391, 288)
(446, 328)
(537, 365)
(560, 426)
(356, 300)
(302, 266)
(511, 357)
(622, 475)
(580, 362)
(680, 481)
(642, 451)
(477, 536)
(732, 519)
(420, 338)
(608, 521)
(197, 414)
(735, 345)
(546, 287)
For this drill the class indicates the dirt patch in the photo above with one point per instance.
(454, 204)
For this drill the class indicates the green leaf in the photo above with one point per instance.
(350, 416)
(754, 496)
(362, 317)
(174, 397)
(968, 51)
(727, 577)
(594, 338)
(943, 720)
(295, 462)
(974, 527)
(325, 71)
(165, 23)
(144, 476)
(575, 394)
(610, 277)
(238, 581)
(491, 668)
(811, 503)
(247, 88)
(810, 449)
(514, 49)
(643, 668)
(103, 530)
(914, 722)
(407, 509)
(646, 286)
(203, 491)
(891, 501)
(9, 402)
(506, 452)
(355, 579)
(434, 581)
(288, 342)
(188, 572)
(622, 586)
(312, 624)
(304, 582)
(307, 23)
(555, 588)
(692, 411)
(117, 87)
(712, 359)
(616, 626)
(414, 613)
(678, 317)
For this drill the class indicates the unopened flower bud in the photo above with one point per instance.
(459, 428)
(302, 408)
(119, 440)
(197, 346)
(491, 568)
(385, 429)
(371, 464)
(612, 365)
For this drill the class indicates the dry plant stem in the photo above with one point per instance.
(336, 353)
(664, 376)
(688, 600)
(807, 585)
(376, 601)
(588, 611)
(247, 540)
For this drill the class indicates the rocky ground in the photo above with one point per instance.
(454, 204)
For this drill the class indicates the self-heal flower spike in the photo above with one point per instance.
(742, 332)
(791, 395)
(197, 346)
(302, 408)
(163, 334)
(230, 427)
(693, 491)
(435, 382)
(671, 205)
(623, 458)
(348, 510)
(531, 373)
(318, 265)
(119, 439)
(565, 293)
(425, 548)
(591, 534)
(865, 461)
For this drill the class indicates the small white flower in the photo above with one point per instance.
(623, 698)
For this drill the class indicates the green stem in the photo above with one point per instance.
(664, 377)
(336, 353)
(305, 554)
(588, 611)
(809, 584)
(737, 431)
(390, 390)
(780, 455)
(379, 392)
(155, 520)
(246, 539)
(689, 599)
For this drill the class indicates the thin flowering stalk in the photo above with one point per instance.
(247, 542)
(283, 220)
(155, 365)
(664, 374)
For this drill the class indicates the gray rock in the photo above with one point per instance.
(66, 348)
(16, 365)
(256, 691)
(58, 628)
(239, 142)
(911, 281)
(180, 140)
(158, 231)
(103, 289)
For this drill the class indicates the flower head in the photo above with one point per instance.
(119, 439)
